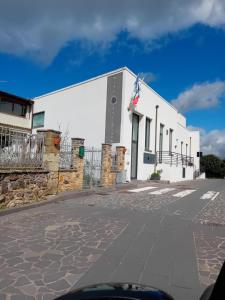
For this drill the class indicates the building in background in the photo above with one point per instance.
(15, 115)
(99, 110)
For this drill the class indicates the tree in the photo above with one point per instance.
(213, 166)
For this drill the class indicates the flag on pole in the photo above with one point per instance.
(135, 100)
(136, 93)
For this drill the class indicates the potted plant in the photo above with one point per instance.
(156, 175)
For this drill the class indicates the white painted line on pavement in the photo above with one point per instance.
(183, 193)
(214, 197)
(208, 195)
(162, 191)
(142, 189)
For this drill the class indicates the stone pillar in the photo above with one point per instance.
(51, 157)
(120, 158)
(106, 165)
(78, 162)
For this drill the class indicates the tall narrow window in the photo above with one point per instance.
(186, 149)
(190, 148)
(161, 142)
(147, 133)
(170, 141)
(181, 152)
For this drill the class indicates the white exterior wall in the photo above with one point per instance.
(169, 117)
(79, 110)
(174, 173)
(11, 120)
(181, 119)
(195, 147)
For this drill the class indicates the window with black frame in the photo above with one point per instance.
(38, 120)
(170, 141)
(147, 134)
(9, 107)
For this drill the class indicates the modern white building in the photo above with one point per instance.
(153, 131)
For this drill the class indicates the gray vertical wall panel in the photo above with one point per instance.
(113, 110)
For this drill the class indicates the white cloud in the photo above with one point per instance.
(41, 28)
(212, 142)
(148, 77)
(200, 96)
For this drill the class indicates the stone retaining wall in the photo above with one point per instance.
(69, 180)
(21, 187)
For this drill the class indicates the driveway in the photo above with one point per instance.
(169, 236)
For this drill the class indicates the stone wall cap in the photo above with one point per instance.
(68, 170)
(49, 130)
(76, 139)
(19, 171)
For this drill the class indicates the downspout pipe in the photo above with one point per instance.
(156, 125)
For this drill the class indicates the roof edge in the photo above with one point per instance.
(82, 82)
(108, 74)
(15, 96)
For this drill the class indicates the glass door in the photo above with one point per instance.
(134, 146)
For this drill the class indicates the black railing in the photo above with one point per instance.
(173, 158)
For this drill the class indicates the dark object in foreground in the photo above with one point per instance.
(132, 291)
(116, 291)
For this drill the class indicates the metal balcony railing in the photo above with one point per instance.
(20, 149)
(173, 158)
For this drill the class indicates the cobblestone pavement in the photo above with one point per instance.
(210, 250)
(43, 254)
(47, 251)
(143, 202)
(210, 254)
(214, 211)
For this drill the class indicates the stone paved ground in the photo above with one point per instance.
(44, 253)
(210, 250)
(176, 244)
(124, 199)
(214, 211)
(210, 254)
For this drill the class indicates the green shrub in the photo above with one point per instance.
(155, 176)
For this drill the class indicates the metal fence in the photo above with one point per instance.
(92, 167)
(20, 149)
(66, 159)
(173, 158)
(114, 161)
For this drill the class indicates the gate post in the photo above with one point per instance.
(106, 174)
(120, 158)
(51, 157)
(78, 161)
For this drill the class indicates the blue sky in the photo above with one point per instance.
(181, 56)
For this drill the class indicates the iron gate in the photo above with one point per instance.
(92, 167)
(66, 161)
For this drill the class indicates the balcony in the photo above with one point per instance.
(174, 159)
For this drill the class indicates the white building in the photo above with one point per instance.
(97, 110)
